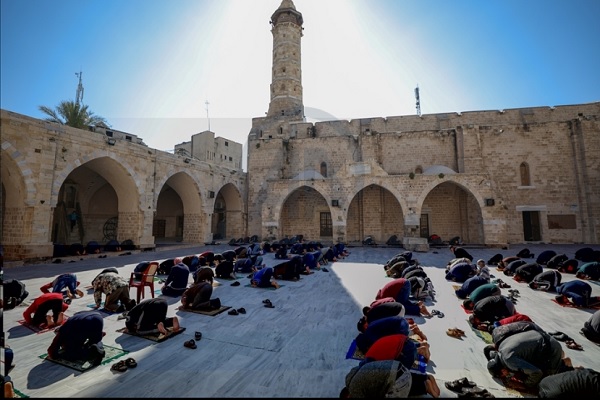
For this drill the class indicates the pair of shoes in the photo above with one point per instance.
(571, 344)
(268, 303)
(236, 283)
(455, 333)
(241, 310)
(233, 311)
(459, 384)
(190, 344)
(131, 363)
(438, 313)
(324, 269)
(121, 366)
(198, 335)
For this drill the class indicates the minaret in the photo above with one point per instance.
(286, 79)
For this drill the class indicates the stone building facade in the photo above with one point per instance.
(491, 177)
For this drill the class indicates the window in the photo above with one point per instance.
(230, 159)
(326, 225)
(226, 144)
(109, 133)
(128, 138)
(524, 170)
(562, 222)
(324, 169)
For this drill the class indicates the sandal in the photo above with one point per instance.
(571, 344)
(233, 312)
(131, 363)
(459, 384)
(454, 333)
(121, 366)
(241, 310)
(190, 344)
(269, 305)
(267, 301)
(438, 313)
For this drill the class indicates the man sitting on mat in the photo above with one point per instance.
(37, 313)
(523, 354)
(224, 269)
(546, 281)
(263, 278)
(591, 328)
(580, 293)
(197, 297)
(400, 290)
(149, 317)
(177, 281)
(79, 338)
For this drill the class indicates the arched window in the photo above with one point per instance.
(324, 169)
(525, 178)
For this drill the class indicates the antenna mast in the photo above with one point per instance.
(79, 93)
(207, 103)
(418, 100)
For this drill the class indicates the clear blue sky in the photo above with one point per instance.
(149, 66)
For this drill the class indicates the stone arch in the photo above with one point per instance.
(179, 212)
(451, 208)
(300, 213)
(103, 193)
(227, 215)
(374, 211)
(21, 182)
(13, 194)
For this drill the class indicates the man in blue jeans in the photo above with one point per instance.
(66, 283)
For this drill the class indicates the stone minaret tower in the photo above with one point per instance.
(286, 80)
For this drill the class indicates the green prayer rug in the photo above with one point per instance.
(84, 365)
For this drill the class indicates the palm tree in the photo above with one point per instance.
(73, 114)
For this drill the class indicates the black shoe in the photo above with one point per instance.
(121, 308)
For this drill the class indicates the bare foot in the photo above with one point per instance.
(175, 324)
(49, 321)
(431, 386)
(275, 284)
(161, 328)
(60, 319)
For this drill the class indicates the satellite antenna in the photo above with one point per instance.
(79, 93)
(207, 103)
(418, 100)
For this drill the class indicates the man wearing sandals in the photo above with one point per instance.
(79, 338)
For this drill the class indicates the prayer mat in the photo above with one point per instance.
(486, 336)
(467, 311)
(154, 337)
(19, 394)
(212, 313)
(268, 288)
(354, 352)
(594, 304)
(112, 353)
(37, 329)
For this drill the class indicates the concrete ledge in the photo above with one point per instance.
(415, 244)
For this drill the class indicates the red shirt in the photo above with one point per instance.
(27, 314)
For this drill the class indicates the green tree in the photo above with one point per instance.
(73, 114)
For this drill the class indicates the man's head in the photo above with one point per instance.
(480, 263)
